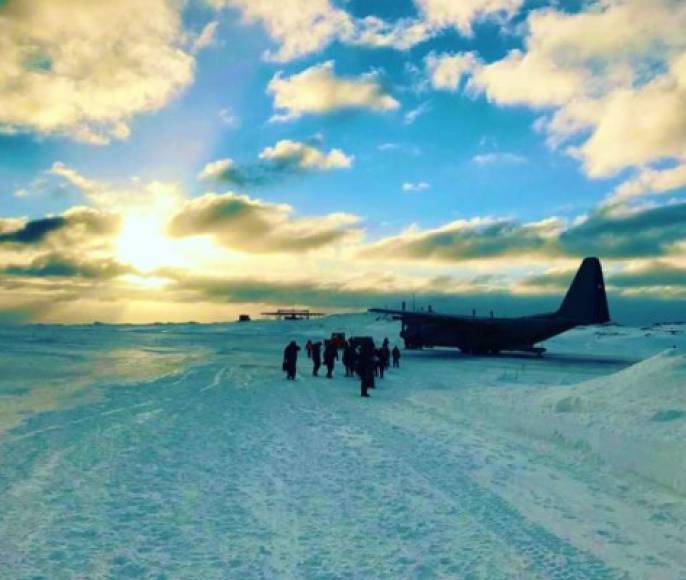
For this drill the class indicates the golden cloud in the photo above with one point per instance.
(85, 68)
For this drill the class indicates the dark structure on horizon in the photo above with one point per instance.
(292, 314)
(585, 303)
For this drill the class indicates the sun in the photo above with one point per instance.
(143, 243)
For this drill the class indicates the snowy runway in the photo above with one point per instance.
(200, 461)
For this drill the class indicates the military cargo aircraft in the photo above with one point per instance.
(585, 303)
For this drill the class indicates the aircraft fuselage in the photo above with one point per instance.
(585, 303)
(489, 336)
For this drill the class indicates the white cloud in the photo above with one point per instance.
(207, 36)
(462, 14)
(414, 187)
(84, 69)
(527, 78)
(402, 34)
(285, 158)
(83, 184)
(491, 158)
(300, 27)
(612, 77)
(306, 157)
(412, 115)
(304, 27)
(317, 90)
(251, 225)
(649, 181)
(447, 70)
(633, 127)
(216, 169)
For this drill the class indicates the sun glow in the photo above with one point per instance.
(143, 243)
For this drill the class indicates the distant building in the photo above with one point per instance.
(292, 314)
(244, 318)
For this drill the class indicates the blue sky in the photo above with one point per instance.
(363, 149)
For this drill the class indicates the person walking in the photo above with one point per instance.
(395, 353)
(290, 360)
(330, 358)
(316, 350)
(380, 365)
(308, 348)
(385, 355)
(349, 359)
(365, 368)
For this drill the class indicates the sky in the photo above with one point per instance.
(191, 160)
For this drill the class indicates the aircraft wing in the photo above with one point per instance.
(454, 319)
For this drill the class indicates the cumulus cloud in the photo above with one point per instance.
(317, 90)
(76, 225)
(527, 78)
(651, 274)
(463, 14)
(446, 71)
(57, 265)
(300, 27)
(306, 157)
(472, 239)
(612, 79)
(402, 34)
(304, 27)
(10, 224)
(649, 181)
(337, 292)
(418, 186)
(285, 158)
(33, 231)
(621, 234)
(658, 278)
(627, 233)
(84, 69)
(249, 225)
(217, 170)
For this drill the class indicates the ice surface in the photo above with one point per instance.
(180, 451)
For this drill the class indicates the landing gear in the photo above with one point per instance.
(479, 351)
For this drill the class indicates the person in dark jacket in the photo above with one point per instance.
(349, 356)
(308, 348)
(395, 353)
(290, 360)
(365, 368)
(380, 365)
(330, 356)
(316, 358)
(385, 354)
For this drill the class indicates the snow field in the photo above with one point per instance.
(184, 453)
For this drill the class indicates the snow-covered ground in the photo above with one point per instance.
(179, 451)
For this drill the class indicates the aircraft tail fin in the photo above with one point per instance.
(585, 301)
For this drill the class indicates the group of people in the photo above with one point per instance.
(364, 360)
